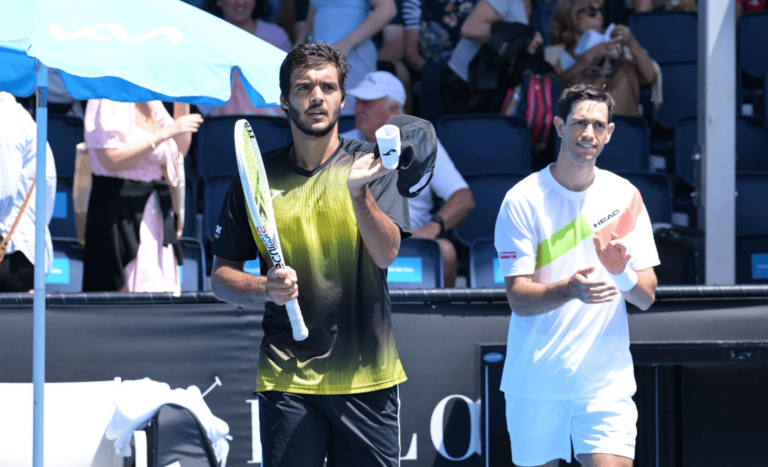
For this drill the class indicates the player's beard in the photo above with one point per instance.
(293, 112)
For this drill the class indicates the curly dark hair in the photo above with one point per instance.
(305, 57)
(584, 92)
(261, 9)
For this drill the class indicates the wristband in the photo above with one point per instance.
(626, 280)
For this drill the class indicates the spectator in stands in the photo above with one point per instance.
(349, 25)
(380, 96)
(432, 29)
(18, 151)
(390, 55)
(245, 14)
(620, 64)
(457, 96)
(131, 240)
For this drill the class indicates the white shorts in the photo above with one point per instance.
(542, 430)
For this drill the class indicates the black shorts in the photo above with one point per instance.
(299, 430)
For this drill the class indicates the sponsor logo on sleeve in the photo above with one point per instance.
(218, 232)
(508, 255)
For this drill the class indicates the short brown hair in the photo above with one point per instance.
(305, 57)
(563, 27)
(584, 92)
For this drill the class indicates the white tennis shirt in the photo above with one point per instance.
(578, 350)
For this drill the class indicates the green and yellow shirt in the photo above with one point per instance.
(343, 294)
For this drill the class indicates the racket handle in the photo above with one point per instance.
(300, 331)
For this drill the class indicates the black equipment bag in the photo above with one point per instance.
(176, 435)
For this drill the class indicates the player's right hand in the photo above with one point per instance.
(590, 291)
(282, 285)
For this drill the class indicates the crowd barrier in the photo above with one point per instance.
(701, 361)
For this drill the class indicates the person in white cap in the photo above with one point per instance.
(381, 96)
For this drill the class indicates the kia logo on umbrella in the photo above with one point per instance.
(117, 32)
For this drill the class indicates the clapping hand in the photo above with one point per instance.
(613, 255)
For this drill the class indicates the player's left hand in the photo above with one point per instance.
(365, 170)
(613, 255)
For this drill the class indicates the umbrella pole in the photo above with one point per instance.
(38, 324)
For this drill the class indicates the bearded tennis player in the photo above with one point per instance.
(574, 244)
(340, 215)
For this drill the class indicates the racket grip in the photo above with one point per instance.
(300, 331)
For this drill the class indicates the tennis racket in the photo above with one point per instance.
(261, 216)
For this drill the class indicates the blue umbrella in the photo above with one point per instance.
(124, 50)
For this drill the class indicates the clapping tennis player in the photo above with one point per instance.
(574, 243)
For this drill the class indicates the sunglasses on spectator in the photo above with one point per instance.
(590, 11)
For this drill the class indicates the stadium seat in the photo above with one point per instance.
(63, 220)
(490, 191)
(64, 134)
(681, 84)
(66, 274)
(484, 264)
(656, 190)
(190, 208)
(752, 259)
(214, 194)
(751, 213)
(751, 32)
(216, 143)
(629, 148)
(482, 144)
(668, 36)
(431, 100)
(346, 123)
(192, 272)
(751, 146)
(419, 265)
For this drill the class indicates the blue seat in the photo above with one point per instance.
(668, 36)
(656, 190)
(751, 32)
(681, 84)
(216, 141)
(490, 191)
(192, 272)
(214, 195)
(64, 134)
(346, 123)
(751, 146)
(629, 149)
(486, 143)
(431, 100)
(484, 264)
(752, 259)
(419, 265)
(751, 213)
(66, 274)
(63, 220)
(190, 208)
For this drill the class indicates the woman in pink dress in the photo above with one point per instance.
(130, 239)
(244, 14)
